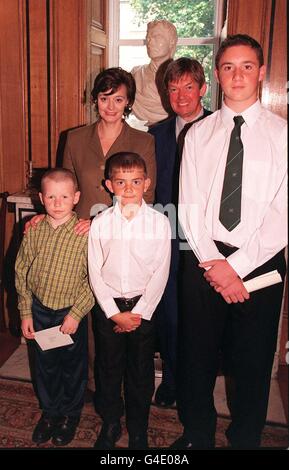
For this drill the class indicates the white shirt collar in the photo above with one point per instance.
(180, 122)
(250, 114)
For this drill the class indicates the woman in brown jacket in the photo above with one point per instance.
(87, 148)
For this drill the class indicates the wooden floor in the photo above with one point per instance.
(9, 343)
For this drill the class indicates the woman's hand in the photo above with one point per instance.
(33, 222)
(82, 227)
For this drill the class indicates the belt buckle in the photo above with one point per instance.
(127, 303)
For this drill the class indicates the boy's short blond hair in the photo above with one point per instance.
(59, 175)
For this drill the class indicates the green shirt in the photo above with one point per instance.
(52, 265)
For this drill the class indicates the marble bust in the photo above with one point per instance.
(161, 41)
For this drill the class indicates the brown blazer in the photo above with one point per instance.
(83, 155)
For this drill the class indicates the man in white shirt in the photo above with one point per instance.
(231, 239)
(128, 260)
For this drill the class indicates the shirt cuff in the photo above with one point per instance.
(76, 314)
(144, 309)
(109, 307)
(26, 314)
(240, 263)
(25, 309)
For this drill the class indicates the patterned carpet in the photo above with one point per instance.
(19, 414)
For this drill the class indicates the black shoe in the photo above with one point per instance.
(65, 430)
(164, 396)
(44, 429)
(183, 443)
(241, 443)
(138, 441)
(109, 434)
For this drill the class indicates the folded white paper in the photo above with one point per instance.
(52, 338)
(265, 280)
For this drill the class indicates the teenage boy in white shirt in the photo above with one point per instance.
(128, 260)
(235, 238)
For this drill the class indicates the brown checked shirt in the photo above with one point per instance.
(52, 265)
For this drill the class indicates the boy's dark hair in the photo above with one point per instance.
(184, 65)
(124, 161)
(59, 175)
(240, 40)
(110, 80)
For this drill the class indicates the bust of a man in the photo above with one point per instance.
(161, 42)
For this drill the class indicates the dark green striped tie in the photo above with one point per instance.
(230, 208)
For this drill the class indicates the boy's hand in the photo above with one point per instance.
(117, 329)
(82, 227)
(69, 325)
(235, 292)
(27, 328)
(126, 322)
(33, 222)
(220, 273)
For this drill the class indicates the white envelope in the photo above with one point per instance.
(52, 338)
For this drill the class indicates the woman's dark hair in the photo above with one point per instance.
(239, 40)
(124, 161)
(110, 80)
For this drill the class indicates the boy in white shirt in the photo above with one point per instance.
(128, 259)
(233, 210)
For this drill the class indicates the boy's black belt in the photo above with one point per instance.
(126, 304)
(225, 249)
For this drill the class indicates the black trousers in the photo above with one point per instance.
(247, 335)
(167, 322)
(60, 373)
(127, 358)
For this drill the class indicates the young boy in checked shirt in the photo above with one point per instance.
(53, 289)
